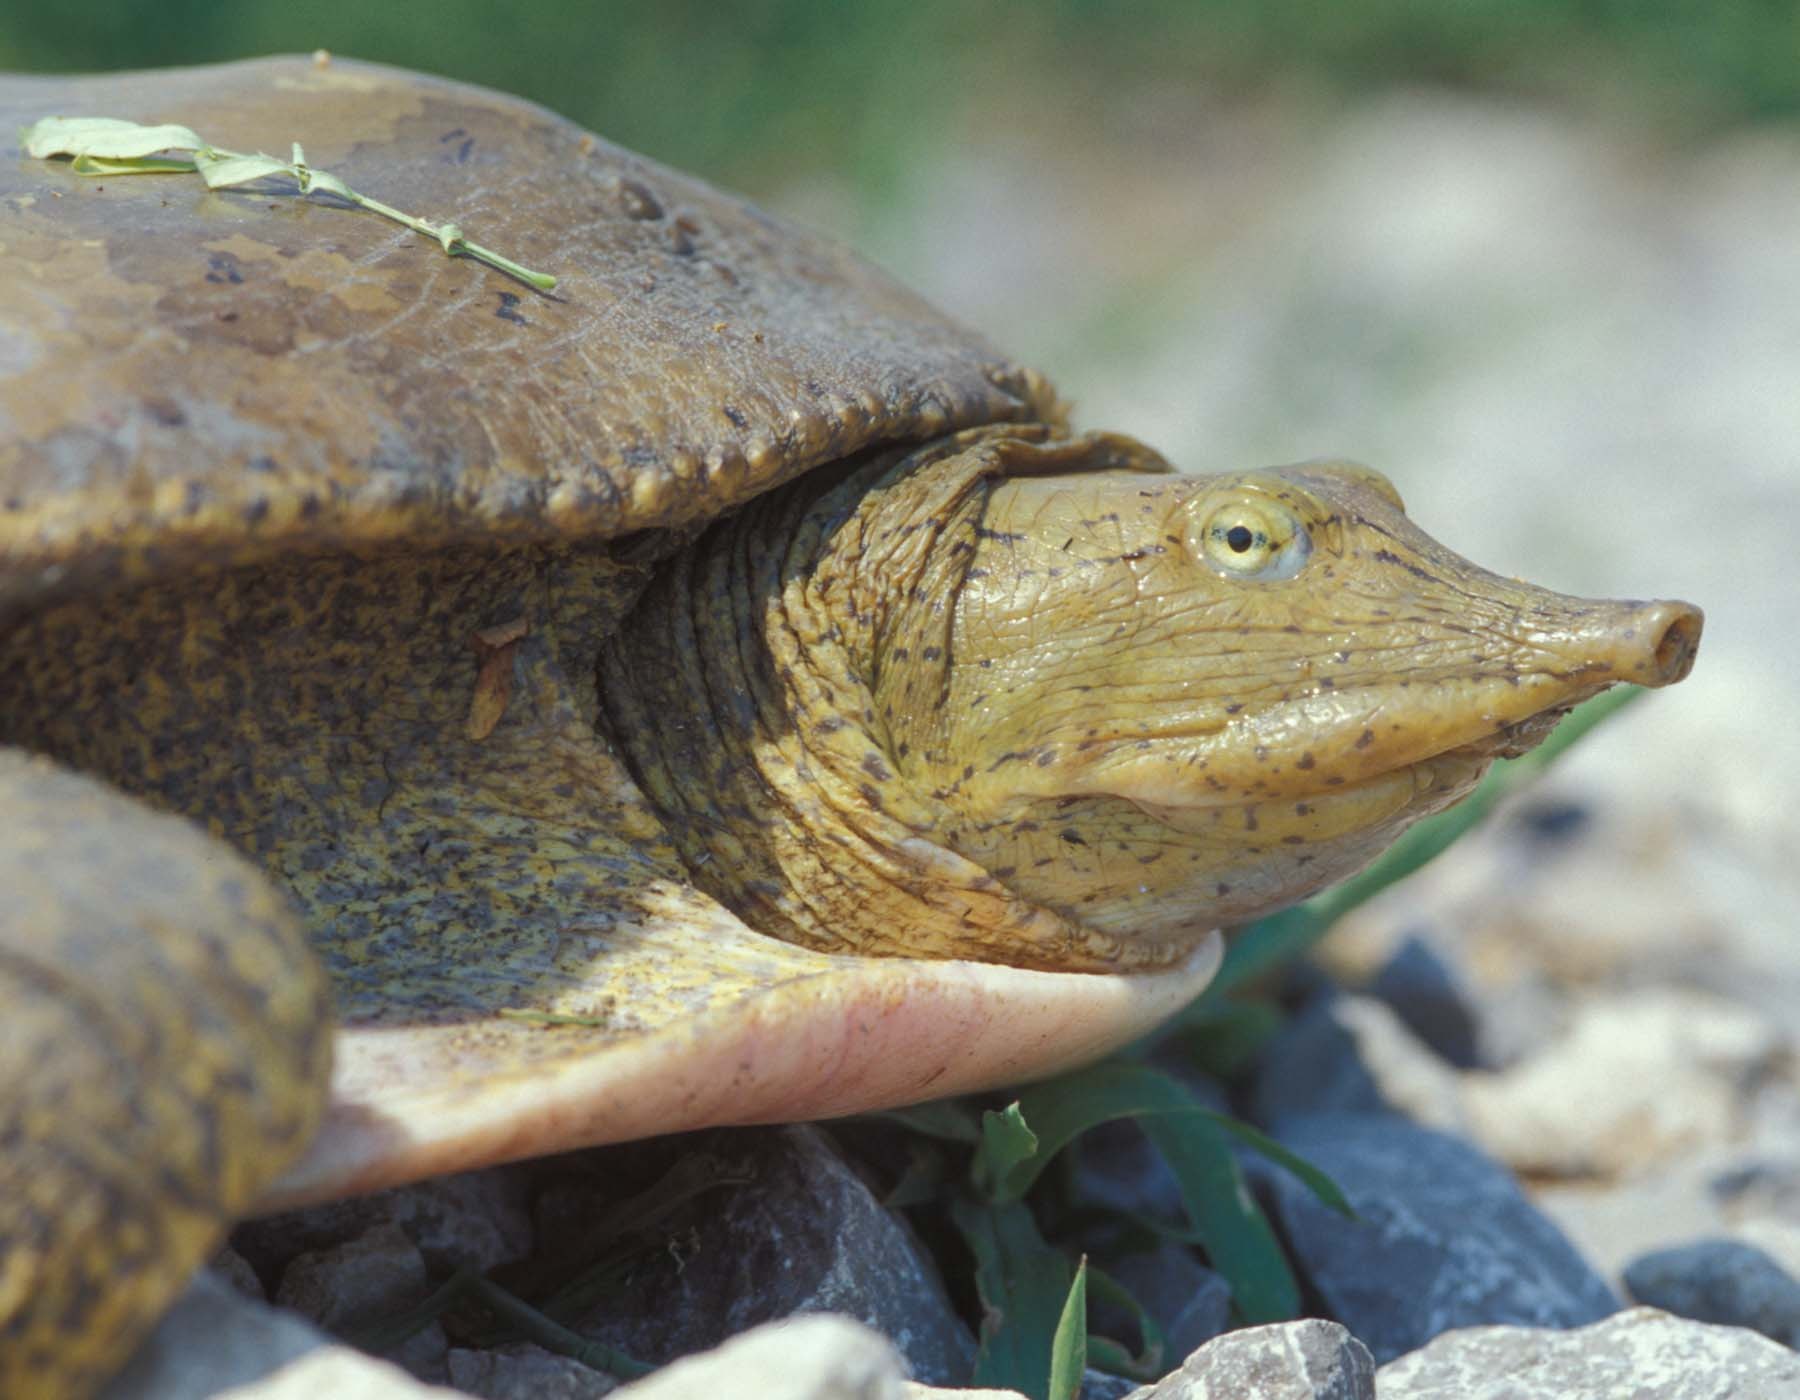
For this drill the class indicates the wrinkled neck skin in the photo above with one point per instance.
(1039, 701)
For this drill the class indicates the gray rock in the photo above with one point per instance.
(521, 1371)
(231, 1266)
(1188, 1301)
(807, 1358)
(380, 1274)
(1720, 1280)
(1643, 1354)
(804, 1235)
(1443, 1236)
(1353, 1054)
(216, 1341)
(1096, 1385)
(475, 1220)
(1430, 998)
(1759, 1185)
(1306, 1360)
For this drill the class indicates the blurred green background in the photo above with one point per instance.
(753, 92)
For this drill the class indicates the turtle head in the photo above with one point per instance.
(1172, 702)
(1043, 701)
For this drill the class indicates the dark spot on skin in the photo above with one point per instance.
(165, 412)
(462, 151)
(870, 796)
(223, 268)
(932, 653)
(831, 724)
(1293, 840)
(508, 309)
(681, 236)
(1221, 889)
(1302, 809)
(1250, 822)
(875, 768)
(968, 772)
(1046, 758)
(1074, 838)
(1385, 556)
(1233, 708)
(1305, 762)
(736, 415)
(1367, 738)
(262, 464)
(255, 511)
(1335, 780)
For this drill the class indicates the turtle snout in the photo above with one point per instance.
(1666, 635)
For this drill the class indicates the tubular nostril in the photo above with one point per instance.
(1673, 656)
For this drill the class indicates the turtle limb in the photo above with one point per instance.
(165, 1053)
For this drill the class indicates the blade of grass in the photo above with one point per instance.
(1240, 1242)
(1068, 1347)
(1023, 1284)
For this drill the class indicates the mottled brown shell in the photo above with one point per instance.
(191, 377)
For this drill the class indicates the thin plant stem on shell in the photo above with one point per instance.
(110, 146)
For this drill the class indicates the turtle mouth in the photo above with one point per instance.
(1516, 739)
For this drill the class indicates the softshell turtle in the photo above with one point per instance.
(375, 690)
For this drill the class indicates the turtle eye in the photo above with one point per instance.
(1248, 538)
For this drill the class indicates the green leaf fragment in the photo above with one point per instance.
(222, 169)
(108, 138)
(1068, 1346)
(1007, 1152)
(134, 165)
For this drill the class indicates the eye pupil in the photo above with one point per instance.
(1239, 539)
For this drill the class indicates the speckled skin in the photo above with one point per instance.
(339, 550)
(165, 1037)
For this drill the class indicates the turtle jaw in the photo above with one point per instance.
(1335, 739)
(1144, 838)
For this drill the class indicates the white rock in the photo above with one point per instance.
(819, 1357)
(1306, 1360)
(1643, 1354)
(1640, 1077)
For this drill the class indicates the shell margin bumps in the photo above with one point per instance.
(356, 387)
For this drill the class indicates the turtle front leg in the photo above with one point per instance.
(164, 1052)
